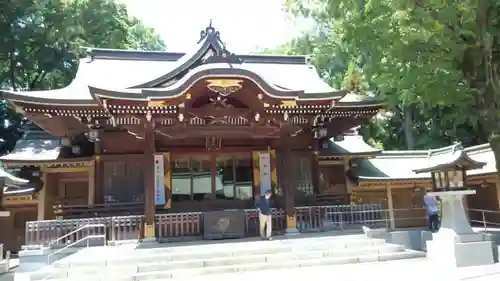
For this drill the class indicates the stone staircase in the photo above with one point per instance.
(138, 262)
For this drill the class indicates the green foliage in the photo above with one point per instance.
(435, 63)
(41, 42)
(353, 80)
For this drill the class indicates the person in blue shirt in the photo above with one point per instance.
(431, 205)
(265, 219)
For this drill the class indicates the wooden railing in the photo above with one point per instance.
(340, 217)
(312, 218)
(98, 210)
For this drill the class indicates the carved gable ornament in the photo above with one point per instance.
(225, 87)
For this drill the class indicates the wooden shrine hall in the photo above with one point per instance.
(143, 132)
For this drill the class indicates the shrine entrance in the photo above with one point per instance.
(212, 180)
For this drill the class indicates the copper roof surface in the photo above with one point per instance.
(121, 71)
(350, 145)
(34, 145)
(391, 165)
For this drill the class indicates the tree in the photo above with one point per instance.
(353, 80)
(42, 41)
(436, 58)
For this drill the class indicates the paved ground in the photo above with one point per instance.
(407, 270)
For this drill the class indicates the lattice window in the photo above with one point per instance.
(123, 182)
(303, 175)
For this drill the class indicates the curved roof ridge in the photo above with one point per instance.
(444, 149)
(478, 148)
(404, 152)
(129, 54)
(209, 40)
(221, 69)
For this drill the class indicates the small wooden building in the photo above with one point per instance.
(389, 179)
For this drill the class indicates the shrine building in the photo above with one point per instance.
(152, 132)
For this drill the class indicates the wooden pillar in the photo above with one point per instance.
(315, 171)
(47, 196)
(167, 180)
(91, 194)
(98, 174)
(149, 188)
(497, 185)
(42, 199)
(288, 184)
(390, 206)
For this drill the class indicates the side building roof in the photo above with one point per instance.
(35, 145)
(401, 165)
(351, 145)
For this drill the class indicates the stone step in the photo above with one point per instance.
(227, 261)
(111, 275)
(244, 244)
(110, 257)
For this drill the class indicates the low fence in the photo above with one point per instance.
(311, 218)
(485, 219)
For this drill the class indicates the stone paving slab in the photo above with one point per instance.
(408, 270)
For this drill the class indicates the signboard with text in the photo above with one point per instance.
(159, 180)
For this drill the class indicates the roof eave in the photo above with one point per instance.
(365, 178)
(368, 154)
(19, 97)
(181, 87)
(330, 95)
(9, 163)
(463, 161)
(99, 93)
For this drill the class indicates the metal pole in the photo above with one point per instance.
(484, 220)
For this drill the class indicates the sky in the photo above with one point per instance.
(244, 25)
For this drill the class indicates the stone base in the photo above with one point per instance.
(452, 252)
(148, 240)
(292, 231)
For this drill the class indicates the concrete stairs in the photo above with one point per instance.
(153, 261)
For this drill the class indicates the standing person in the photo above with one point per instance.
(265, 219)
(431, 205)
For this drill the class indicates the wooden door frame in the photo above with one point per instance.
(213, 162)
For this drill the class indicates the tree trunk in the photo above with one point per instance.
(408, 127)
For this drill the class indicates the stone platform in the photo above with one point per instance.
(137, 262)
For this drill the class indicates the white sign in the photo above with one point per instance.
(265, 172)
(159, 180)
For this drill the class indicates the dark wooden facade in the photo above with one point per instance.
(208, 115)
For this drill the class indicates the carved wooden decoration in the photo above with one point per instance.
(224, 87)
(213, 143)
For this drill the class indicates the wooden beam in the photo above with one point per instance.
(67, 169)
(179, 132)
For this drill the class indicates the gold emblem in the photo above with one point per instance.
(288, 103)
(224, 87)
(222, 225)
(156, 103)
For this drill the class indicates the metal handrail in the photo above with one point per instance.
(75, 231)
(485, 223)
(77, 242)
